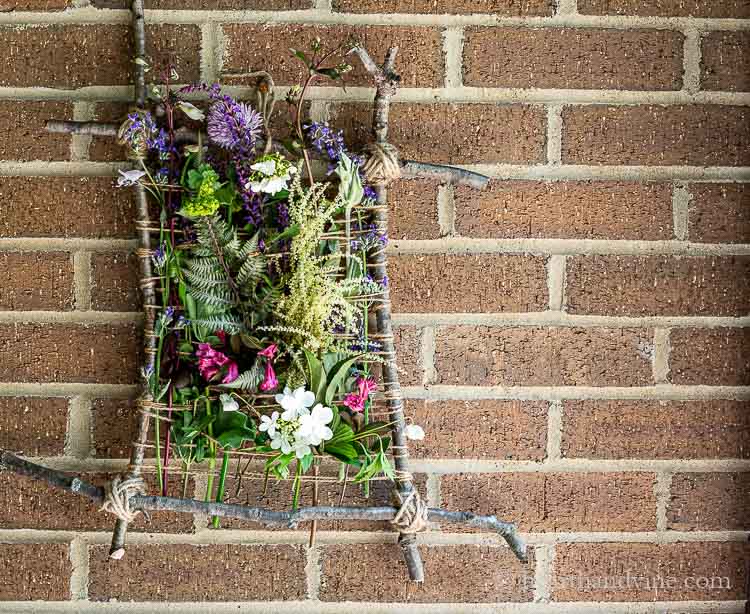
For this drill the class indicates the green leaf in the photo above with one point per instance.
(350, 186)
(337, 376)
(249, 380)
(306, 462)
(342, 434)
(191, 110)
(317, 379)
(344, 452)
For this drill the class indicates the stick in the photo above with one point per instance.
(386, 85)
(291, 520)
(117, 548)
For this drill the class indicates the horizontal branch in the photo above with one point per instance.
(289, 519)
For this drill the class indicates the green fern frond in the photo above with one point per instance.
(216, 297)
(229, 323)
(249, 380)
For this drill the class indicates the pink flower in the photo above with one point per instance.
(366, 385)
(211, 362)
(269, 351)
(354, 402)
(222, 336)
(270, 382)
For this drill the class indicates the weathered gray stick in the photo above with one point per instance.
(117, 548)
(75, 485)
(386, 82)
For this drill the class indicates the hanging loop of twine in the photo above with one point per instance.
(117, 494)
(412, 515)
(381, 163)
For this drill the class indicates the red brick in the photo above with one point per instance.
(656, 429)
(542, 502)
(106, 148)
(534, 356)
(36, 281)
(34, 5)
(72, 56)
(650, 572)
(22, 133)
(711, 356)
(467, 283)
(114, 282)
(568, 58)
(33, 426)
(453, 574)
(87, 207)
(658, 285)
(725, 61)
(408, 355)
(719, 213)
(202, 5)
(709, 502)
(666, 8)
(266, 47)
(114, 428)
(454, 133)
(31, 572)
(412, 210)
(506, 430)
(93, 353)
(176, 572)
(566, 210)
(26, 503)
(697, 135)
(496, 7)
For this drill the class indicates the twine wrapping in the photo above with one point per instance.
(381, 164)
(412, 515)
(117, 494)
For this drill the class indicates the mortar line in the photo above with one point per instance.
(33, 244)
(105, 391)
(554, 431)
(465, 245)
(681, 198)
(662, 349)
(253, 538)
(692, 57)
(663, 392)
(427, 354)
(458, 95)
(79, 578)
(71, 317)
(544, 556)
(79, 143)
(538, 172)
(446, 210)
(556, 273)
(209, 62)
(78, 441)
(554, 134)
(319, 110)
(303, 607)
(453, 45)
(433, 490)
(321, 15)
(662, 493)
(313, 572)
(81, 281)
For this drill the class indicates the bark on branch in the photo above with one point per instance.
(75, 485)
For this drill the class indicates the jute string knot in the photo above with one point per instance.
(117, 494)
(381, 163)
(412, 515)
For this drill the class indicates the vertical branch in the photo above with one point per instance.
(137, 451)
(386, 81)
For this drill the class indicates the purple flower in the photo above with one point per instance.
(232, 124)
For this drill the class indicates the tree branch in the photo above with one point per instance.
(150, 503)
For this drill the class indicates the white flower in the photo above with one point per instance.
(312, 427)
(295, 403)
(301, 449)
(280, 441)
(127, 178)
(269, 425)
(267, 167)
(414, 431)
(228, 403)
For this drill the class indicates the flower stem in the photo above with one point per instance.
(222, 481)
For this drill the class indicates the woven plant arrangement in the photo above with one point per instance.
(269, 353)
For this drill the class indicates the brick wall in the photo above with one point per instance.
(574, 338)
